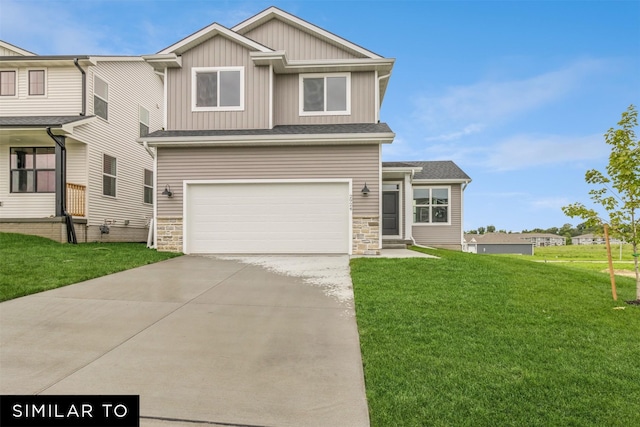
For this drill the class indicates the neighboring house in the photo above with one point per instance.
(68, 130)
(497, 243)
(272, 144)
(592, 239)
(543, 239)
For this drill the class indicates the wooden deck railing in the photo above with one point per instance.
(76, 199)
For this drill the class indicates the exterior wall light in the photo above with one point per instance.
(365, 190)
(167, 191)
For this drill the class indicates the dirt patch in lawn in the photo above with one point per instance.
(626, 273)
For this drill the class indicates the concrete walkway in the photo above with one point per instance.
(203, 341)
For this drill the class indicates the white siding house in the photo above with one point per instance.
(56, 94)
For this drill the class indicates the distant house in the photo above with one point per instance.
(592, 239)
(68, 150)
(497, 243)
(543, 239)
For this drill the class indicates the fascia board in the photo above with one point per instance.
(323, 34)
(401, 170)
(69, 127)
(160, 62)
(266, 140)
(282, 65)
(38, 61)
(441, 181)
(209, 32)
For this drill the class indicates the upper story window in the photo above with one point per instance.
(144, 121)
(217, 89)
(8, 83)
(37, 82)
(431, 205)
(109, 175)
(33, 170)
(325, 94)
(100, 98)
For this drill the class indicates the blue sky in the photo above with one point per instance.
(517, 93)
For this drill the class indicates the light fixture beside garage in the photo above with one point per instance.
(365, 190)
(167, 191)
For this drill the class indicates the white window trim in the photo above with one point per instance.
(15, 83)
(46, 86)
(109, 175)
(194, 88)
(96, 94)
(301, 78)
(432, 224)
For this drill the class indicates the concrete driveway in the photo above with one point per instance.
(268, 341)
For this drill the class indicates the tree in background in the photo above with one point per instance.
(618, 192)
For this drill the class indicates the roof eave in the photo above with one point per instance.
(442, 181)
(268, 140)
(281, 64)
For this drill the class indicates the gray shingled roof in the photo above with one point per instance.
(279, 130)
(39, 121)
(438, 169)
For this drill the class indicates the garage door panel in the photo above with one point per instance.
(268, 218)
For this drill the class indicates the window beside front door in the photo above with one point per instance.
(33, 169)
(431, 205)
(148, 186)
(325, 94)
(217, 89)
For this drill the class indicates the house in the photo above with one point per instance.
(592, 239)
(68, 150)
(271, 143)
(498, 243)
(544, 239)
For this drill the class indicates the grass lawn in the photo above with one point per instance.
(30, 264)
(472, 340)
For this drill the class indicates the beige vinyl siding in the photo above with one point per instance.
(8, 52)
(77, 172)
(358, 162)
(218, 52)
(287, 102)
(62, 97)
(22, 205)
(299, 45)
(131, 84)
(442, 235)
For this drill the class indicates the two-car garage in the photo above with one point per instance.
(267, 216)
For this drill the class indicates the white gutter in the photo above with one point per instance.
(149, 150)
(378, 100)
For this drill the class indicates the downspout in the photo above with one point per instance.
(84, 87)
(378, 101)
(61, 185)
(463, 187)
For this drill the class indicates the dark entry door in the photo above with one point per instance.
(390, 214)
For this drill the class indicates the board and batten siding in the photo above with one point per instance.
(298, 44)
(8, 52)
(131, 84)
(361, 163)
(63, 93)
(443, 235)
(287, 101)
(218, 52)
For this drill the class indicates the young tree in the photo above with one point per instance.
(617, 191)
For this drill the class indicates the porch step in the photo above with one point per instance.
(395, 244)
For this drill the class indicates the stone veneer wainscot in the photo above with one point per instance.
(366, 235)
(169, 238)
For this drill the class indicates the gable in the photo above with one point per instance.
(299, 44)
(7, 49)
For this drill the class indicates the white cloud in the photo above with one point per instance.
(464, 110)
(528, 151)
(549, 203)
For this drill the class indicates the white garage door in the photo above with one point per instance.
(268, 218)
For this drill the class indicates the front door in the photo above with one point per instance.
(390, 213)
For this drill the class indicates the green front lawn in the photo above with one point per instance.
(472, 340)
(30, 264)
